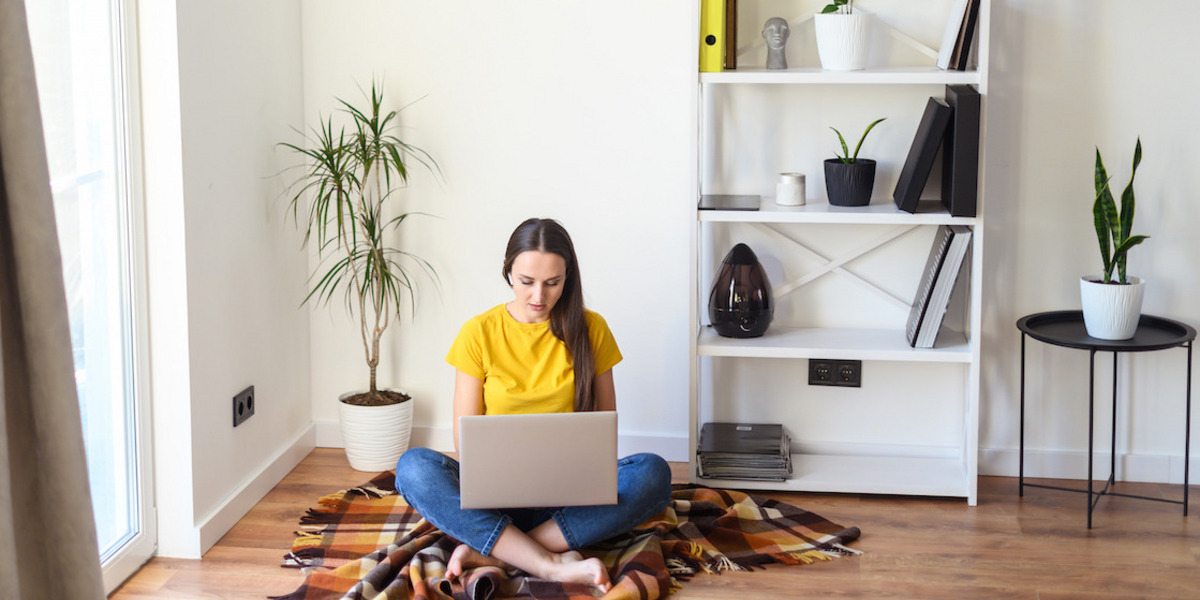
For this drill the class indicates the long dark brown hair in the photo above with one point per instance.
(566, 318)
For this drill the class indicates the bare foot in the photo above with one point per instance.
(572, 567)
(466, 557)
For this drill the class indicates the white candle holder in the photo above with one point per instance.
(790, 189)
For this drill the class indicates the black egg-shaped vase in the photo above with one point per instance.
(740, 304)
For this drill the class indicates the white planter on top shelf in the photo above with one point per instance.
(842, 40)
(1111, 311)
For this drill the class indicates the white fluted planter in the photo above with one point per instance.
(375, 436)
(842, 40)
(1111, 311)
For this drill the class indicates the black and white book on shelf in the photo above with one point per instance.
(942, 267)
(917, 166)
(960, 151)
(959, 36)
(758, 451)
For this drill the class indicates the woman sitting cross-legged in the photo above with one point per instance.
(541, 352)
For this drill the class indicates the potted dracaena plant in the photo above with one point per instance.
(1112, 301)
(348, 184)
(849, 179)
(841, 36)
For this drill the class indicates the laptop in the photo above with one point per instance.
(538, 460)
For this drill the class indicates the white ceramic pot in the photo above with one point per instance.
(1111, 311)
(375, 436)
(842, 40)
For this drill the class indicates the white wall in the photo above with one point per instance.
(1069, 76)
(222, 85)
(582, 113)
(576, 111)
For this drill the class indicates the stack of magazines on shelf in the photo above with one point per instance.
(744, 451)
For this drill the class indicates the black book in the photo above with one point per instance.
(740, 438)
(962, 49)
(730, 35)
(960, 153)
(942, 266)
(916, 169)
(933, 264)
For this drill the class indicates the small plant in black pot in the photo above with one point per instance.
(849, 179)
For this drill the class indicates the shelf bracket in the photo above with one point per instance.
(834, 265)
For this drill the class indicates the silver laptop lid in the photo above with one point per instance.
(536, 460)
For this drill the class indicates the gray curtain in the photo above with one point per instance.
(47, 531)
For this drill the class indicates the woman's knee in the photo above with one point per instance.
(652, 477)
(417, 465)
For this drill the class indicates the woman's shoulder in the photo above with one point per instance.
(592, 316)
(488, 318)
(594, 320)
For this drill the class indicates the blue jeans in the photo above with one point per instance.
(429, 482)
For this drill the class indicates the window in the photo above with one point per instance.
(81, 53)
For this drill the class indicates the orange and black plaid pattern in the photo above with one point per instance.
(703, 530)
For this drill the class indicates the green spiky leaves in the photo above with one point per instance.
(1113, 228)
(346, 178)
(846, 156)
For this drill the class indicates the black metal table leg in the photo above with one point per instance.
(1112, 466)
(1187, 430)
(1091, 428)
(1021, 454)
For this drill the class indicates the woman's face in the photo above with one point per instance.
(537, 281)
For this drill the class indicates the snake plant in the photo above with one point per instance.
(846, 156)
(1112, 227)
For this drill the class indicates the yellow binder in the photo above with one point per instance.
(712, 35)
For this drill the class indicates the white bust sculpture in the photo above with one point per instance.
(775, 32)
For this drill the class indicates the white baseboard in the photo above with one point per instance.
(240, 501)
(329, 435)
(1070, 464)
(1050, 464)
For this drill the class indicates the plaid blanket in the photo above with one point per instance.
(366, 543)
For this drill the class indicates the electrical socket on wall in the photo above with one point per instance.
(839, 373)
(243, 406)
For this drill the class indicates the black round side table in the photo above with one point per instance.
(1066, 329)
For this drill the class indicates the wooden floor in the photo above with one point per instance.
(1037, 547)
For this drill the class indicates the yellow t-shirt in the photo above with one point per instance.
(524, 368)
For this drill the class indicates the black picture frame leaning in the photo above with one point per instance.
(960, 153)
(921, 155)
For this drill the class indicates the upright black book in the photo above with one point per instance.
(731, 11)
(916, 169)
(966, 35)
(960, 152)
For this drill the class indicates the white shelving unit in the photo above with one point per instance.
(940, 469)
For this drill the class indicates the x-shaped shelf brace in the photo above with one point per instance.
(834, 265)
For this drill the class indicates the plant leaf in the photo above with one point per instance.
(864, 137)
(1104, 212)
(845, 155)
